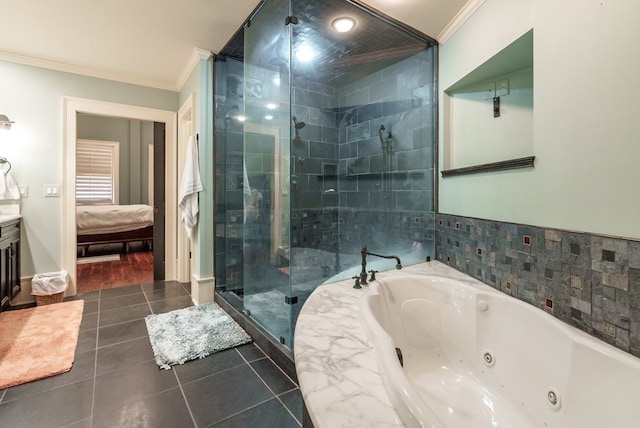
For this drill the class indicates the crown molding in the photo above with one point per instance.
(197, 55)
(84, 71)
(461, 17)
(203, 53)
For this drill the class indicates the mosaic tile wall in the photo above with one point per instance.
(589, 281)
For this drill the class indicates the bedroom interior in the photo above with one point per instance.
(114, 197)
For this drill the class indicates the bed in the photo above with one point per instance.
(108, 224)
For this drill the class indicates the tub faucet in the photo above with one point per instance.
(363, 274)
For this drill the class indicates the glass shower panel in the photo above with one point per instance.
(266, 170)
(363, 142)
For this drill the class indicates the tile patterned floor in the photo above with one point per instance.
(115, 382)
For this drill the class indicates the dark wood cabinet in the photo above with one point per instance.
(9, 261)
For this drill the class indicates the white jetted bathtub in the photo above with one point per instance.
(473, 357)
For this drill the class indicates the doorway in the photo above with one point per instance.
(115, 170)
(164, 119)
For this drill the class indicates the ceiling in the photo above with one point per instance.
(153, 42)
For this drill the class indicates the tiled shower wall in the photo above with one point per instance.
(373, 202)
(589, 281)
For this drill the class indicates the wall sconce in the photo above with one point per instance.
(5, 123)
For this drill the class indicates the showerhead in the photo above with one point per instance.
(299, 125)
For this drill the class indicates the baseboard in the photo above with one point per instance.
(202, 290)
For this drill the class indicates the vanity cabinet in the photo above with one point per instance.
(9, 261)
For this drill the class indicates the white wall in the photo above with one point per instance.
(32, 97)
(586, 138)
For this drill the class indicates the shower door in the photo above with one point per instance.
(266, 153)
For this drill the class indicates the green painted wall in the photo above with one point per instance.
(585, 134)
(33, 98)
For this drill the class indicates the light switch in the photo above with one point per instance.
(52, 190)
(24, 190)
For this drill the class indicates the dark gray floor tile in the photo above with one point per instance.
(120, 291)
(214, 363)
(87, 340)
(157, 285)
(219, 396)
(90, 307)
(251, 352)
(89, 320)
(168, 292)
(132, 383)
(269, 414)
(91, 296)
(165, 410)
(84, 423)
(128, 313)
(275, 379)
(123, 354)
(82, 369)
(162, 306)
(122, 301)
(122, 332)
(294, 402)
(51, 408)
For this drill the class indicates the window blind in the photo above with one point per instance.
(96, 172)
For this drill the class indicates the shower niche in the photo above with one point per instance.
(324, 142)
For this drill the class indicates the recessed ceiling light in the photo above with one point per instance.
(343, 24)
(305, 53)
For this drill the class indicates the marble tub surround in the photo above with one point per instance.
(335, 361)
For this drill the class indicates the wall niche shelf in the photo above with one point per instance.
(525, 162)
(488, 113)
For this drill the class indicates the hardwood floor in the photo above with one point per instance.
(134, 267)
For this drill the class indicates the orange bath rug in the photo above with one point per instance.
(38, 342)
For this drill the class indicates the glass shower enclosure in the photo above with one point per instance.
(324, 143)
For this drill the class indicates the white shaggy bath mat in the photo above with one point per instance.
(190, 333)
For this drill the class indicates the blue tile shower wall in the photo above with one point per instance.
(589, 281)
(400, 99)
(371, 202)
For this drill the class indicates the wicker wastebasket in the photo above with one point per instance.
(49, 287)
(52, 298)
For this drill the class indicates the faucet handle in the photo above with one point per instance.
(373, 275)
(357, 284)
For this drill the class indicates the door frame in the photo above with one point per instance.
(71, 107)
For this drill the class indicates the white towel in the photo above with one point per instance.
(8, 187)
(190, 185)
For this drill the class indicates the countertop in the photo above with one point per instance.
(335, 362)
(5, 218)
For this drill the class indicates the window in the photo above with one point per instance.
(97, 172)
